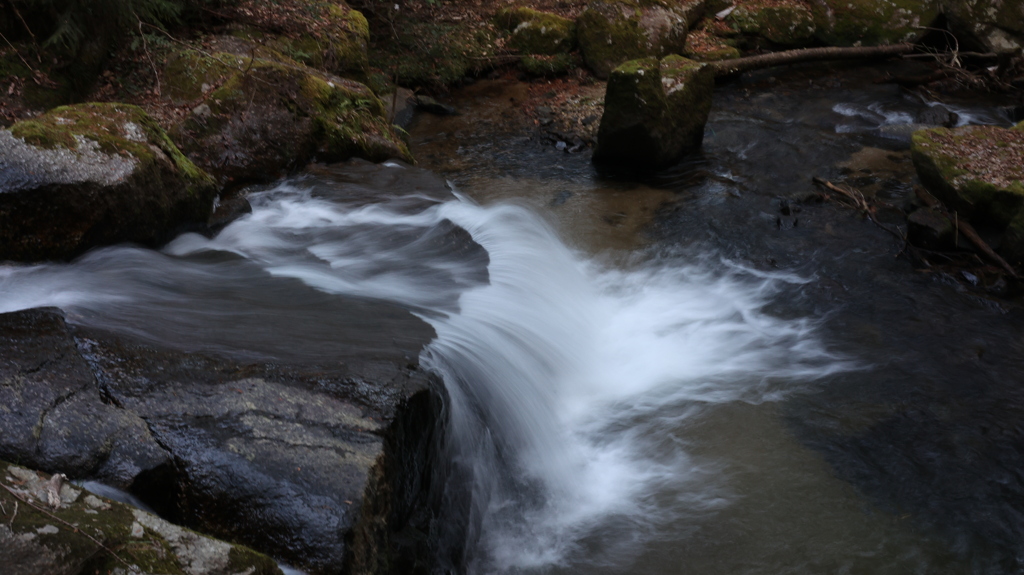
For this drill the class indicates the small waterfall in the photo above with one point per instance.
(567, 379)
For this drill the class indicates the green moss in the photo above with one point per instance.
(555, 65)
(785, 25)
(609, 32)
(341, 49)
(106, 124)
(872, 22)
(433, 53)
(188, 71)
(535, 32)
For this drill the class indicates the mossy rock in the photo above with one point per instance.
(654, 112)
(83, 533)
(872, 22)
(979, 172)
(273, 117)
(990, 25)
(94, 174)
(190, 74)
(784, 24)
(431, 54)
(535, 32)
(554, 65)
(340, 48)
(613, 31)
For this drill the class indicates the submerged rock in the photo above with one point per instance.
(265, 117)
(49, 526)
(611, 32)
(929, 228)
(655, 111)
(94, 174)
(979, 172)
(872, 22)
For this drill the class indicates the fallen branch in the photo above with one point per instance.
(861, 204)
(967, 229)
(21, 18)
(731, 67)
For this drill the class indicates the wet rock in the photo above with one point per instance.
(78, 536)
(872, 22)
(992, 25)
(611, 32)
(269, 117)
(319, 465)
(535, 32)
(655, 112)
(432, 106)
(787, 23)
(93, 174)
(401, 105)
(52, 415)
(930, 229)
(979, 172)
(938, 115)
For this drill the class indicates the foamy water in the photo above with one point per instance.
(567, 379)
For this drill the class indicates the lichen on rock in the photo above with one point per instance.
(93, 174)
(613, 31)
(872, 22)
(69, 533)
(655, 111)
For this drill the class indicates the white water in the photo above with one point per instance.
(567, 379)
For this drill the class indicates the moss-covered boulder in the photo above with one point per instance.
(266, 117)
(872, 22)
(50, 526)
(992, 25)
(534, 32)
(94, 174)
(786, 23)
(337, 44)
(654, 112)
(979, 172)
(611, 32)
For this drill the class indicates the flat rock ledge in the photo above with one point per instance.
(321, 466)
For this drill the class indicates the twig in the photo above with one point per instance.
(145, 48)
(14, 516)
(20, 57)
(22, 19)
(72, 527)
(966, 228)
(731, 67)
(859, 202)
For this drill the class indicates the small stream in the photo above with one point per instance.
(698, 371)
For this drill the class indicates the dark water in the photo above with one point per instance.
(705, 370)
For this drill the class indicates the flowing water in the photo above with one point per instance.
(708, 398)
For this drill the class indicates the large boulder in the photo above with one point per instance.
(611, 32)
(263, 117)
(543, 39)
(992, 25)
(979, 172)
(321, 465)
(872, 22)
(654, 111)
(94, 174)
(787, 23)
(52, 527)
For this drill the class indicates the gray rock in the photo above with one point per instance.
(930, 229)
(93, 174)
